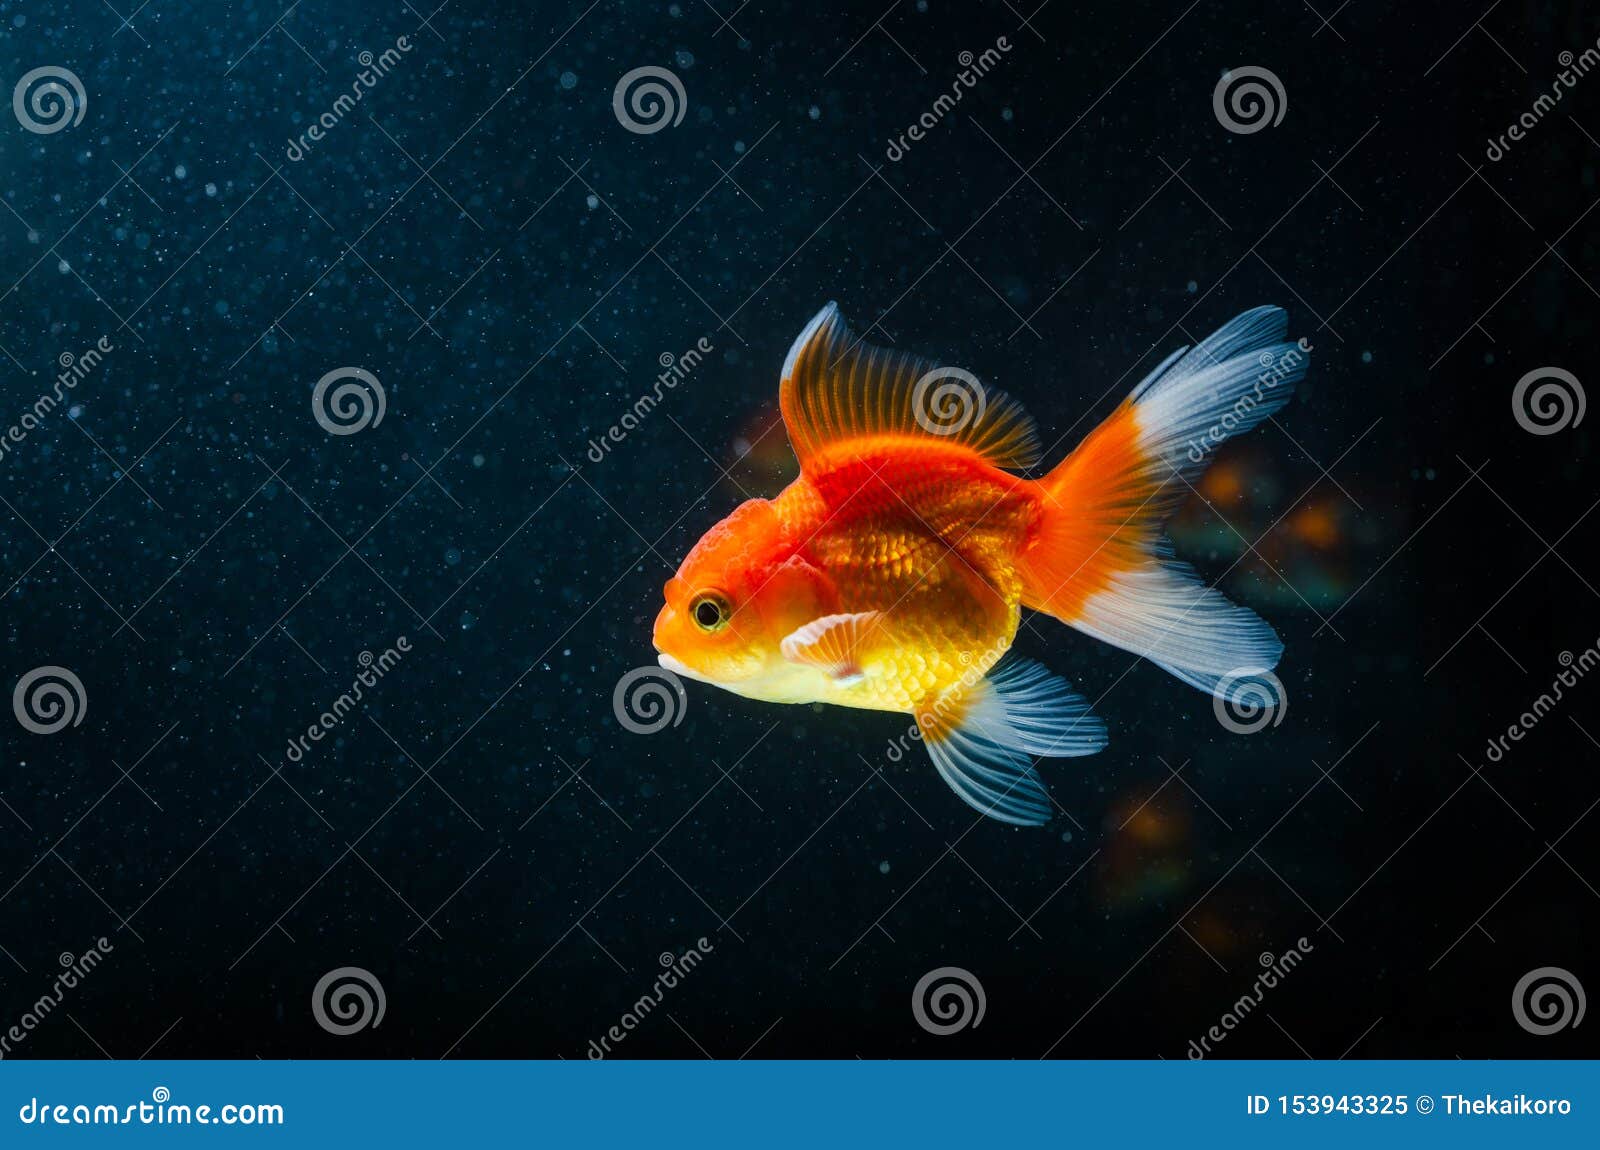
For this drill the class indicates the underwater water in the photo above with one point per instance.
(215, 531)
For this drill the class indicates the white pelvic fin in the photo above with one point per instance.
(982, 739)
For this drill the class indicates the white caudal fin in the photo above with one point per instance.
(1229, 382)
(1102, 563)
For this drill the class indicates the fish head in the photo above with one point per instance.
(736, 595)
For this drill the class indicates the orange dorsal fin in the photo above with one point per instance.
(838, 387)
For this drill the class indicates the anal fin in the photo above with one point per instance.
(982, 738)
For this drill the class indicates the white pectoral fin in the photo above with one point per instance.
(982, 739)
(832, 644)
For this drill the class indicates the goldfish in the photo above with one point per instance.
(891, 575)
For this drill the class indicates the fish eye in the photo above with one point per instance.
(711, 611)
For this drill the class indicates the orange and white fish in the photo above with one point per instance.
(891, 575)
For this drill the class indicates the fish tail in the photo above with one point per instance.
(1098, 557)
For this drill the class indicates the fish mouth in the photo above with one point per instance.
(680, 668)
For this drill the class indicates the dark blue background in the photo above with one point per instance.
(256, 556)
